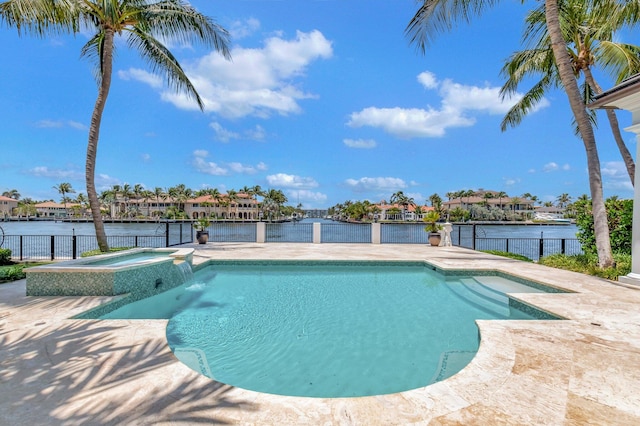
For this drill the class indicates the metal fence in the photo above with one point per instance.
(345, 233)
(400, 233)
(45, 247)
(64, 247)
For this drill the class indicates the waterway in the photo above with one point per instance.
(155, 228)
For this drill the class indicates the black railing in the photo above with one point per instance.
(401, 233)
(289, 232)
(52, 247)
(222, 232)
(58, 247)
(345, 233)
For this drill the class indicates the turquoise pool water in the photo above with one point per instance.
(328, 330)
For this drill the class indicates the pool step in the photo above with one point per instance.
(489, 304)
(504, 285)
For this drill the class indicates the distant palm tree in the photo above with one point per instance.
(65, 188)
(12, 194)
(142, 21)
(563, 200)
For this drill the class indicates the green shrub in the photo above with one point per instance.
(12, 273)
(97, 251)
(619, 218)
(5, 257)
(588, 264)
(509, 255)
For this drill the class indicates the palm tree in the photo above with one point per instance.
(12, 194)
(159, 193)
(142, 21)
(437, 15)
(589, 31)
(65, 188)
(563, 200)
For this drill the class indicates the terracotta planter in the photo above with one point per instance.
(435, 238)
(202, 237)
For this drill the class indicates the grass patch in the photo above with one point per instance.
(15, 271)
(509, 255)
(97, 252)
(588, 264)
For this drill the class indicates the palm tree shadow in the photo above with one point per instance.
(103, 372)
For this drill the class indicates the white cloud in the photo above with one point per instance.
(146, 157)
(256, 82)
(511, 181)
(224, 135)
(104, 181)
(615, 176)
(458, 103)
(58, 124)
(155, 81)
(428, 80)
(201, 164)
(305, 197)
(387, 184)
(291, 181)
(360, 143)
(550, 167)
(242, 29)
(566, 167)
(44, 171)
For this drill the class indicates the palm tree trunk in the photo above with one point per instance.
(94, 134)
(559, 46)
(615, 129)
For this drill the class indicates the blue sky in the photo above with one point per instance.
(325, 100)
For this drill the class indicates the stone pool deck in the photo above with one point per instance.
(585, 370)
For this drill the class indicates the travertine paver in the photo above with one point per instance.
(585, 370)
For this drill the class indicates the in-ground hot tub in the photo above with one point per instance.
(139, 272)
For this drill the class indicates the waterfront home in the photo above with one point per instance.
(7, 206)
(54, 210)
(519, 205)
(239, 207)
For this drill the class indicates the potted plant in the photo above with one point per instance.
(433, 227)
(202, 232)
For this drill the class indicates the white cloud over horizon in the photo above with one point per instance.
(458, 103)
(383, 184)
(202, 165)
(256, 82)
(291, 181)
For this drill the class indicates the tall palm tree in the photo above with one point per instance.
(142, 21)
(64, 188)
(563, 200)
(589, 31)
(434, 16)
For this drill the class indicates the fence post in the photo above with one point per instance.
(74, 244)
(21, 247)
(180, 232)
(136, 241)
(541, 251)
(507, 246)
(473, 237)
(562, 246)
(459, 235)
(53, 247)
(166, 234)
(376, 231)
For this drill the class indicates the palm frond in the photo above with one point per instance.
(437, 16)
(162, 61)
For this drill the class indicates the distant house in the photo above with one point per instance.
(55, 210)
(7, 206)
(515, 204)
(395, 211)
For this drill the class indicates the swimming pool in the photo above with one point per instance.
(327, 329)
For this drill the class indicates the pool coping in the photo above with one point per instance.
(61, 371)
